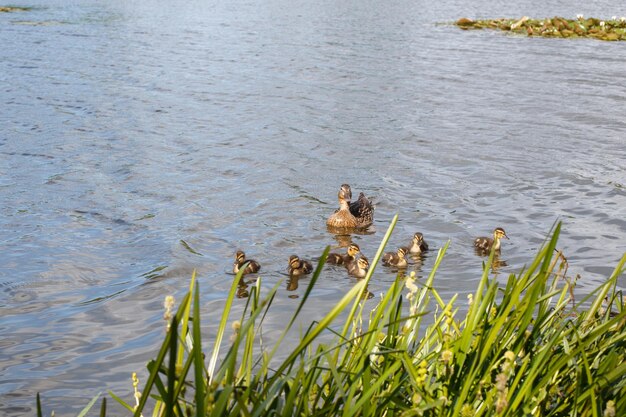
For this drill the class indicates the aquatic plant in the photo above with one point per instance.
(524, 348)
(613, 29)
(10, 9)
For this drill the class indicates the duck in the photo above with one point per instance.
(354, 215)
(359, 268)
(298, 266)
(344, 259)
(240, 260)
(417, 245)
(485, 244)
(397, 259)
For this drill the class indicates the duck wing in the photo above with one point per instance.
(335, 259)
(483, 243)
(363, 210)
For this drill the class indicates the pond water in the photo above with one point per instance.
(143, 140)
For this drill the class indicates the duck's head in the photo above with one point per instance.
(294, 261)
(418, 238)
(240, 257)
(345, 192)
(401, 252)
(499, 233)
(353, 249)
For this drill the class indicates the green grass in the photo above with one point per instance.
(525, 348)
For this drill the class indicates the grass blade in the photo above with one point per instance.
(85, 410)
(197, 356)
(223, 322)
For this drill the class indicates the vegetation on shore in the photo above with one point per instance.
(526, 348)
(556, 27)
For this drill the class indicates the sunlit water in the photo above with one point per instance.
(142, 141)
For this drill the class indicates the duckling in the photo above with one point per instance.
(395, 259)
(298, 266)
(417, 245)
(240, 260)
(484, 244)
(358, 214)
(339, 259)
(359, 268)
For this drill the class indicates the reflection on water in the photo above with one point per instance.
(496, 263)
(142, 141)
(292, 284)
(242, 289)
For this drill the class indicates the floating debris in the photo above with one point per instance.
(10, 9)
(556, 27)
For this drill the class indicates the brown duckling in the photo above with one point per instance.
(298, 266)
(359, 268)
(417, 245)
(358, 214)
(485, 244)
(339, 259)
(397, 259)
(240, 261)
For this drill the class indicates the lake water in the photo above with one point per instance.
(143, 140)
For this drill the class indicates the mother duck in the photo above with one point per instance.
(355, 215)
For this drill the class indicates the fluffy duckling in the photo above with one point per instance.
(298, 266)
(359, 268)
(417, 245)
(397, 259)
(339, 259)
(485, 244)
(358, 214)
(240, 261)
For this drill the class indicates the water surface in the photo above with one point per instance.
(142, 141)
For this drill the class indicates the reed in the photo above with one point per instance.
(525, 348)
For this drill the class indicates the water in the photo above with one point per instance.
(134, 135)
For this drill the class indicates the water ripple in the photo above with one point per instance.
(138, 136)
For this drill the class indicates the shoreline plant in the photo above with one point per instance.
(526, 348)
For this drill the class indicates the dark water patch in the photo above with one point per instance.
(101, 299)
(154, 273)
(28, 154)
(102, 217)
(189, 248)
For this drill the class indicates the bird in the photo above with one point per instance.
(359, 268)
(298, 266)
(395, 259)
(358, 214)
(339, 259)
(485, 244)
(240, 260)
(417, 245)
